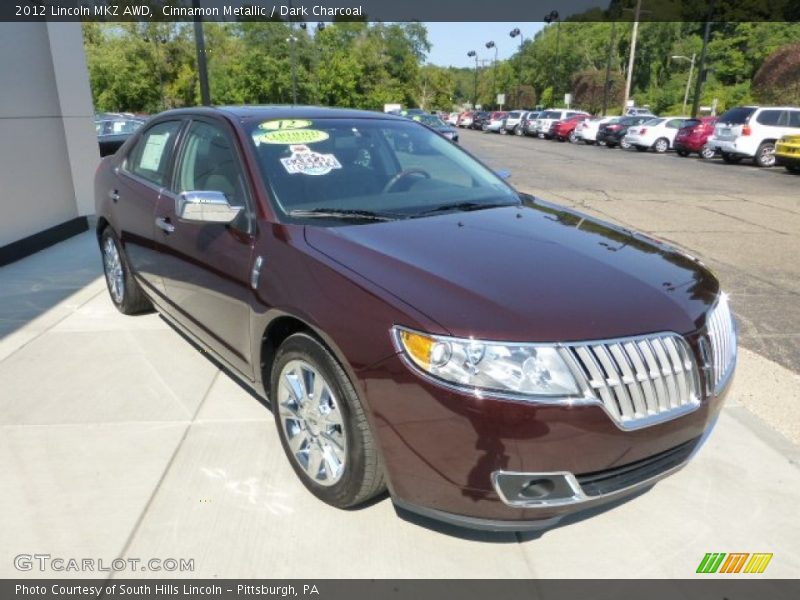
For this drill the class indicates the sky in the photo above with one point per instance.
(452, 41)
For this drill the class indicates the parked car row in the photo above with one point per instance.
(113, 129)
(768, 135)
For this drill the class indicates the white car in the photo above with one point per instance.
(542, 125)
(751, 132)
(514, 121)
(466, 120)
(586, 131)
(453, 119)
(495, 124)
(638, 111)
(658, 134)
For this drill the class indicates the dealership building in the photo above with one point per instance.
(49, 152)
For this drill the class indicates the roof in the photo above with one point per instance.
(283, 111)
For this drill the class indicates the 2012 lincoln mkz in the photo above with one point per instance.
(417, 325)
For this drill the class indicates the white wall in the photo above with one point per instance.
(48, 150)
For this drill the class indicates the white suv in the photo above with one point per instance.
(542, 125)
(751, 132)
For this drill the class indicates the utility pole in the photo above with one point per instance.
(701, 70)
(632, 55)
(688, 81)
(200, 47)
(608, 66)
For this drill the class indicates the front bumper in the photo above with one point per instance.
(449, 455)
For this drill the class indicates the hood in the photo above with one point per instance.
(534, 273)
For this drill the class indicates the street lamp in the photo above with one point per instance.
(490, 45)
(514, 33)
(473, 54)
(549, 18)
(688, 81)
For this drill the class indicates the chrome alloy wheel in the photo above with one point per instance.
(115, 276)
(312, 422)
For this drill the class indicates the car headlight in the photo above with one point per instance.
(507, 368)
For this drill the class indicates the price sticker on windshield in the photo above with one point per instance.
(307, 162)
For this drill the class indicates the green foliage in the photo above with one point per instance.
(151, 66)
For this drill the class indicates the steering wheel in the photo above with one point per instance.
(402, 175)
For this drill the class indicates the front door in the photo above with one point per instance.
(206, 266)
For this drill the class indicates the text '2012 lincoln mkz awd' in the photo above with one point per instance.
(418, 325)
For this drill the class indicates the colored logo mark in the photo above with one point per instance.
(734, 562)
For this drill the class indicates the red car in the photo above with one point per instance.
(372, 281)
(692, 137)
(565, 129)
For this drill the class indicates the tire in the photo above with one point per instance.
(503, 130)
(623, 144)
(123, 289)
(359, 475)
(641, 148)
(573, 137)
(661, 145)
(683, 153)
(731, 159)
(517, 130)
(765, 155)
(707, 153)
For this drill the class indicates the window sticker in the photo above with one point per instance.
(285, 124)
(153, 149)
(307, 162)
(291, 136)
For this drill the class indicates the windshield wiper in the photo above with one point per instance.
(365, 215)
(464, 206)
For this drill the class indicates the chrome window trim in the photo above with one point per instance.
(588, 397)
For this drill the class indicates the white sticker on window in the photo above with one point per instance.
(153, 149)
(304, 160)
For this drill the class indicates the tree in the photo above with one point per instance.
(778, 79)
(588, 86)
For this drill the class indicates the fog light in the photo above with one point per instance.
(537, 488)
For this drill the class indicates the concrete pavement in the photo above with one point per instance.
(119, 439)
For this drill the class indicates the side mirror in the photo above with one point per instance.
(503, 173)
(205, 207)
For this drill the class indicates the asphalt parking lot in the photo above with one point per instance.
(120, 439)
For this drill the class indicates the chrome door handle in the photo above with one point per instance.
(114, 195)
(164, 224)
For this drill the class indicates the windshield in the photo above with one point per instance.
(395, 168)
(429, 120)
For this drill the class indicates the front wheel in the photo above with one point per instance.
(322, 425)
(573, 137)
(765, 156)
(624, 145)
(517, 130)
(125, 292)
(707, 153)
(661, 145)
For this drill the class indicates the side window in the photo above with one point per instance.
(769, 117)
(794, 118)
(209, 164)
(674, 123)
(149, 159)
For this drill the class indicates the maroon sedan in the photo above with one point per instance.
(417, 325)
(565, 129)
(692, 137)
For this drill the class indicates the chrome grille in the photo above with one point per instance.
(640, 381)
(722, 335)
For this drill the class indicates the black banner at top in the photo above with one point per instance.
(400, 10)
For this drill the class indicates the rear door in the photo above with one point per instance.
(140, 179)
(207, 266)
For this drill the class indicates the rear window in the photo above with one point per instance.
(653, 122)
(514, 115)
(738, 115)
(691, 123)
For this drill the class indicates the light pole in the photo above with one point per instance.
(514, 33)
(549, 18)
(473, 54)
(607, 84)
(292, 40)
(490, 45)
(688, 81)
(701, 71)
(632, 55)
